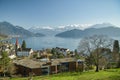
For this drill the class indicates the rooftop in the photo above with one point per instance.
(25, 49)
(38, 63)
(29, 63)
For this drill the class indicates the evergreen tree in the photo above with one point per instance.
(4, 62)
(116, 46)
(76, 52)
(23, 44)
(54, 53)
(116, 54)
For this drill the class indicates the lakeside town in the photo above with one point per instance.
(16, 60)
(25, 61)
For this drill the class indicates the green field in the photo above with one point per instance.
(111, 74)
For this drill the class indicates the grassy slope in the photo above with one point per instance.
(112, 74)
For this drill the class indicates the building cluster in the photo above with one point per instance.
(26, 65)
(7, 47)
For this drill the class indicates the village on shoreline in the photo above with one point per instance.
(19, 61)
(27, 61)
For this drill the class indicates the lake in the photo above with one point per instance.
(38, 43)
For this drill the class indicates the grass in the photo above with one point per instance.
(110, 74)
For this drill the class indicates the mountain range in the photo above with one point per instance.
(68, 31)
(79, 30)
(7, 28)
(110, 31)
(51, 31)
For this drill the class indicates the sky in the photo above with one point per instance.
(32, 13)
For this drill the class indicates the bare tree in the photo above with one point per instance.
(92, 45)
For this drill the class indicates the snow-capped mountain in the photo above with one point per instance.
(74, 26)
(45, 27)
(48, 30)
(45, 30)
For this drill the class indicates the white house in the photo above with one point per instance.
(24, 52)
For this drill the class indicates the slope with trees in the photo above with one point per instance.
(95, 47)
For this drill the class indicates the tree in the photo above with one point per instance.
(101, 57)
(48, 53)
(91, 46)
(75, 51)
(23, 44)
(54, 53)
(76, 55)
(116, 55)
(89, 62)
(5, 60)
(116, 46)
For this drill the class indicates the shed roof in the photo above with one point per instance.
(29, 63)
(38, 64)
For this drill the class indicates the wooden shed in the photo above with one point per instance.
(25, 67)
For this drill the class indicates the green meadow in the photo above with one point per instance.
(109, 74)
